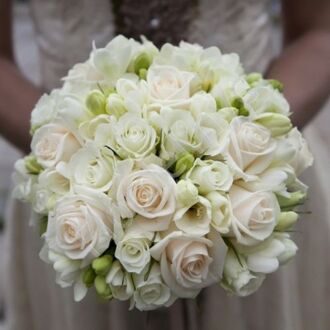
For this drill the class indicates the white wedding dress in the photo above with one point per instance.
(295, 298)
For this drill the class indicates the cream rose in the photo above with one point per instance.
(150, 193)
(210, 175)
(120, 282)
(254, 215)
(53, 143)
(250, 150)
(81, 226)
(169, 86)
(151, 292)
(189, 263)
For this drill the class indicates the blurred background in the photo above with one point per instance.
(27, 58)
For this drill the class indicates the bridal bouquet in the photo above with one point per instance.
(157, 173)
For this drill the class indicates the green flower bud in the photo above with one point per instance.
(243, 112)
(294, 199)
(102, 264)
(43, 225)
(88, 277)
(96, 102)
(142, 61)
(32, 166)
(286, 220)
(229, 113)
(184, 163)
(276, 84)
(143, 74)
(115, 105)
(253, 78)
(238, 103)
(278, 124)
(187, 193)
(102, 288)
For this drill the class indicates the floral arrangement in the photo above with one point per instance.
(156, 173)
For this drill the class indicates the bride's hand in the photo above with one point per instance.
(17, 95)
(304, 64)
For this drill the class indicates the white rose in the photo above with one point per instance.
(221, 212)
(133, 251)
(237, 278)
(92, 167)
(250, 150)
(151, 292)
(53, 143)
(120, 282)
(81, 226)
(194, 219)
(129, 137)
(254, 215)
(45, 110)
(189, 263)
(151, 194)
(180, 133)
(87, 129)
(210, 175)
(169, 86)
(262, 99)
(302, 158)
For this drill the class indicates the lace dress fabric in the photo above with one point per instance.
(294, 298)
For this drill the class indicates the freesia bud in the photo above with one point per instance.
(290, 249)
(88, 277)
(115, 105)
(238, 103)
(184, 163)
(102, 265)
(286, 220)
(253, 78)
(142, 61)
(294, 199)
(229, 113)
(276, 84)
(187, 193)
(95, 102)
(277, 124)
(102, 288)
(32, 166)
